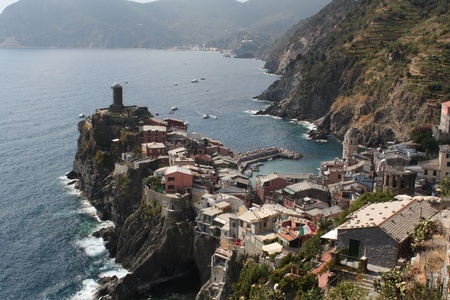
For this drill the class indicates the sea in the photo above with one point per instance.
(47, 250)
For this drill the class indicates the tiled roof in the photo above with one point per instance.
(397, 218)
(176, 169)
(305, 185)
(154, 128)
(402, 224)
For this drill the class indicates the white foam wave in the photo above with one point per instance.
(104, 224)
(89, 209)
(309, 125)
(116, 271)
(88, 290)
(92, 246)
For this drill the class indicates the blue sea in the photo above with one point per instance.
(46, 247)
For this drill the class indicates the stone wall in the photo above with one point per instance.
(170, 204)
(381, 249)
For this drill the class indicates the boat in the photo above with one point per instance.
(81, 115)
(174, 108)
(203, 78)
(206, 116)
(194, 81)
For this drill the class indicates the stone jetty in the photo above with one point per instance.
(245, 158)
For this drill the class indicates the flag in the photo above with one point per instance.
(307, 229)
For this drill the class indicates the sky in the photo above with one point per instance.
(5, 3)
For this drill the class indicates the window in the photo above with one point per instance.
(434, 173)
(425, 172)
(265, 224)
(446, 155)
(448, 164)
(171, 179)
(171, 187)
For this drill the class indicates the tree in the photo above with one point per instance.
(347, 290)
(445, 187)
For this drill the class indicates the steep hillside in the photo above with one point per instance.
(379, 66)
(160, 24)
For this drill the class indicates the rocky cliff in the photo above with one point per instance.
(379, 66)
(155, 247)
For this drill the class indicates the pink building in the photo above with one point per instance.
(153, 133)
(153, 149)
(445, 117)
(265, 185)
(178, 180)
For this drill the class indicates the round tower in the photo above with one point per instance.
(117, 105)
(350, 143)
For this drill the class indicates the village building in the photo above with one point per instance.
(437, 169)
(381, 231)
(399, 182)
(153, 149)
(265, 185)
(442, 132)
(152, 133)
(174, 124)
(177, 180)
(350, 143)
(295, 194)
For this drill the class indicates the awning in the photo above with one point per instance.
(330, 235)
(272, 248)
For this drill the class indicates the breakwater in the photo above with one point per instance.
(244, 159)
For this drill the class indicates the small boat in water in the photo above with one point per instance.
(194, 81)
(81, 115)
(206, 116)
(174, 108)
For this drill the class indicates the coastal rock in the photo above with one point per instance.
(340, 66)
(204, 247)
(113, 288)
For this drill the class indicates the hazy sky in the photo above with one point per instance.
(5, 3)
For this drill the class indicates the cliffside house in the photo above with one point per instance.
(437, 169)
(153, 149)
(259, 224)
(177, 180)
(174, 124)
(152, 133)
(294, 194)
(382, 231)
(442, 132)
(266, 184)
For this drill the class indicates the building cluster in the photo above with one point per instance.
(279, 212)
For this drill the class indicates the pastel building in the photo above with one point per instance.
(177, 180)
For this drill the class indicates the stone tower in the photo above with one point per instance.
(350, 143)
(117, 105)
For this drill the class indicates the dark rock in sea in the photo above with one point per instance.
(72, 175)
(113, 288)
(72, 182)
(260, 113)
(104, 233)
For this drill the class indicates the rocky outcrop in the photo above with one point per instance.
(155, 245)
(364, 64)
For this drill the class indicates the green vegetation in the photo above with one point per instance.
(102, 158)
(445, 187)
(423, 231)
(398, 284)
(347, 290)
(252, 273)
(154, 183)
(362, 200)
(153, 210)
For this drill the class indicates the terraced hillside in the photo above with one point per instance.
(380, 66)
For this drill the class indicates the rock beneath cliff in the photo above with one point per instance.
(204, 247)
(105, 233)
(72, 175)
(113, 288)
